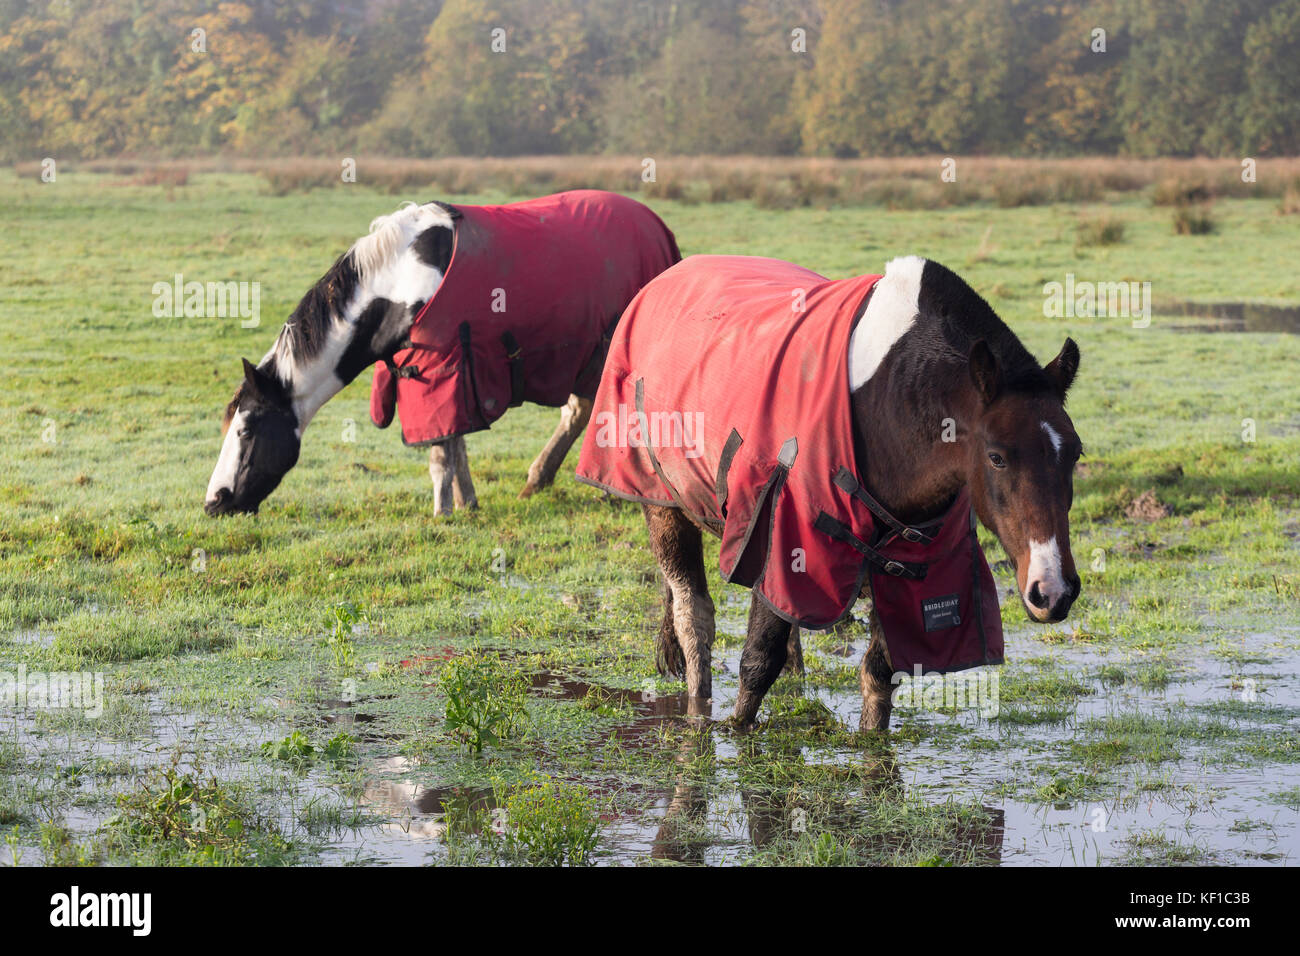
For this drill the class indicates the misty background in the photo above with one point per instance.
(86, 79)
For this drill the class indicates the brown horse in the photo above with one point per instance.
(942, 398)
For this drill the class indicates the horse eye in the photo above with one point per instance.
(998, 460)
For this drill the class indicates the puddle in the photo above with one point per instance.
(81, 765)
(644, 703)
(1223, 812)
(1232, 317)
(337, 715)
(419, 812)
(1200, 800)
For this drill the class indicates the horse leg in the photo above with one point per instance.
(442, 469)
(679, 548)
(573, 419)
(462, 484)
(794, 654)
(669, 659)
(767, 642)
(875, 677)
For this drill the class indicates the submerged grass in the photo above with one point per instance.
(187, 818)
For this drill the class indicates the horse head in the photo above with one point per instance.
(1021, 449)
(261, 444)
(945, 395)
(356, 314)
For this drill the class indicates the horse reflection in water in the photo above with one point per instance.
(685, 834)
(696, 810)
(426, 813)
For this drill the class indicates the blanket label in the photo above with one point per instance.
(938, 613)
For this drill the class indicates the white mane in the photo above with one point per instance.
(890, 312)
(377, 259)
(391, 234)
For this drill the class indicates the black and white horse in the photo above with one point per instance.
(359, 312)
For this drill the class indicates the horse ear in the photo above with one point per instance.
(984, 371)
(253, 380)
(1062, 369)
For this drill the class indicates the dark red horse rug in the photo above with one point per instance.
(524, 312)
(726, 393)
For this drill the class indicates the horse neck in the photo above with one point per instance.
(902, 458)
(351, 347)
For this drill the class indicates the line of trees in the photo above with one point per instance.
(95, 78)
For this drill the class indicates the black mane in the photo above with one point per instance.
(952, 318)
(933, 356)
(308, 326)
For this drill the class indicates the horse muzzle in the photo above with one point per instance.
(1047, 605)
(223, 503)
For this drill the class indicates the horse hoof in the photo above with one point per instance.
(528, 491)
(740, 726)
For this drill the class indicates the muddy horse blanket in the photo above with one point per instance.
(726, 393)
(524, 312)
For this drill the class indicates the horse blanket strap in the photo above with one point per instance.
(726, 394)
(840, 532)
(399, 371)
(514, 355)
(537, 283)
(654, 459)
(734, 441)
(589, 376)
(845, 480)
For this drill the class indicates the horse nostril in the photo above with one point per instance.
(1036, 596)
(217, 504)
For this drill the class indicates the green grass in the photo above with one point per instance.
(336, 609)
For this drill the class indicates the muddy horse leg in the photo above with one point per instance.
(679, 548)
(573, 419)
(794, 654)
(767, 646)
(669, 659)
(875, 679)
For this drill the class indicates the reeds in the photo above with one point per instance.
(770, 182)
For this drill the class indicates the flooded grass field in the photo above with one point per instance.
(345, 679)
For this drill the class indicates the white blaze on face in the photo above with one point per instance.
(891, 310)
(1054, 437)
(1045, 570)
(223, 476)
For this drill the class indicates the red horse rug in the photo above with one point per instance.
(726, 393)
(524, 312)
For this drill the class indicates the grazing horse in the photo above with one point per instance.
(840, 438)
(464, 311)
